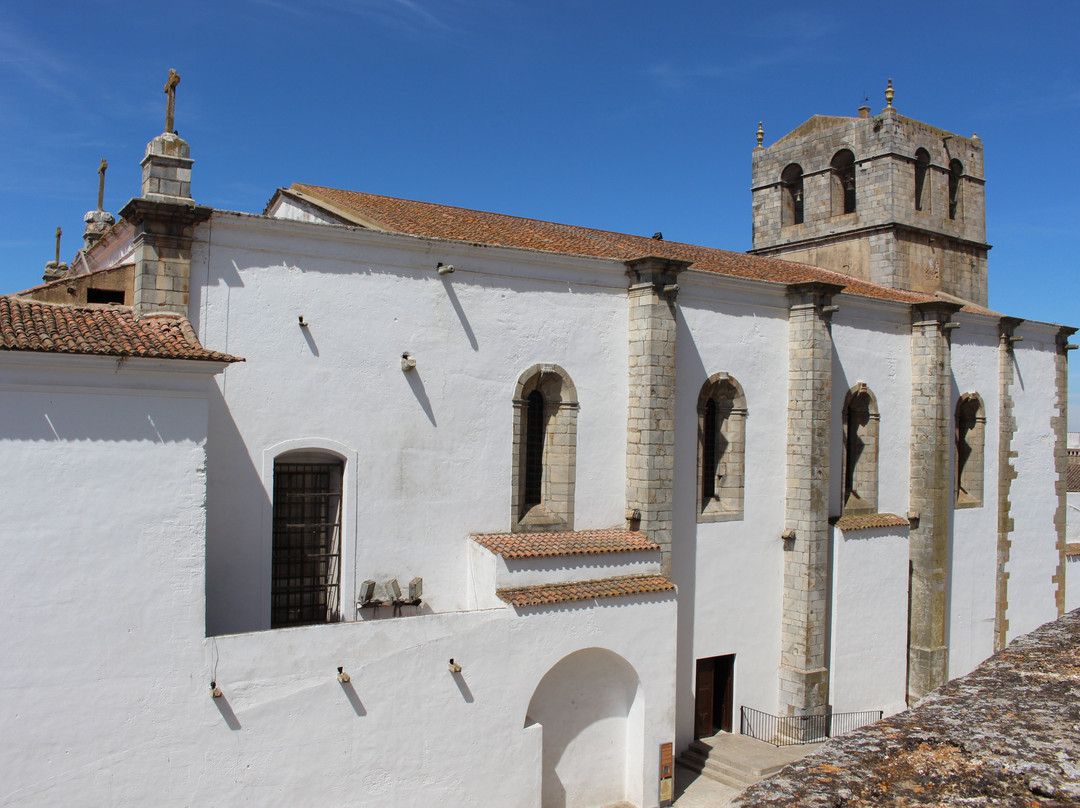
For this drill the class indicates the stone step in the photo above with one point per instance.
(747, 769)
(715, 770)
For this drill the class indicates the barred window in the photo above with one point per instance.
(306, 563)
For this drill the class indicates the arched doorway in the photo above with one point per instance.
(591, 709)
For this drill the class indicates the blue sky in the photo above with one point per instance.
(628, 116)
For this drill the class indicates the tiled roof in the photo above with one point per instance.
(460, 224)
(865, 521)
(1072, 549)
(29, 325)
(585, 590)
(581, 542)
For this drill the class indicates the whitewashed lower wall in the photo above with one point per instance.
(869, 620)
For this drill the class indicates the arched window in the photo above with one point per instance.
(843, 182)
(922, 193)
(791, 183)
(956, 171)
(970, 437)
(860, 451)
(721, 449)
(306, 561)
(545, 446)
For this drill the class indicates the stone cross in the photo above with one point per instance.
(101, 184)
(170, 90)
(59, 232)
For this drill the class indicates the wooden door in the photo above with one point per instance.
(724, 685)
(704, 699)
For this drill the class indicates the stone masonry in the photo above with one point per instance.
(1006, 474)
(164, 219)
(1059, 424)
(650, 431)
(931, 498)
(888, 239)
(804, 675)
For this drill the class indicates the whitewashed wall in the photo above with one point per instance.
(973, 554)
(1033, 560)
(868, 669)
(432, 447)
(730, 574)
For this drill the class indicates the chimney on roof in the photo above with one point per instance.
(864, 111)
(100, 220)
(164, 218)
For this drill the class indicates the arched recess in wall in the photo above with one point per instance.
(791, 188)
(860, 450)
(721, 449)
(922, 190)
(956, 206)
(842, 182)
(545, 450)
(591, 709)
(312, 515)
(970, 441)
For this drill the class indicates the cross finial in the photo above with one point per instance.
(170, 90)
(59, 232)
(889, 95)
(760, 133)
(101, 184)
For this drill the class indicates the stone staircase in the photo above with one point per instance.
(739, 761)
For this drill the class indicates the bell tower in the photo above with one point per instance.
(884, 198)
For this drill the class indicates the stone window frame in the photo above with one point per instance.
(860, 476)
(332, 584)
(555, 511)
(843, 198)
(923, 196)
(792, 202)
(728, 459)
(970, 445)
(956, 190)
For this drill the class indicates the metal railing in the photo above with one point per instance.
(790, 730)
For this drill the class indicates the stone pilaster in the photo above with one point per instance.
(1006, 473)
(1059, 424)
(931, 498)
(650, 426)
(162, 253)
(167, 170)
(804, 674)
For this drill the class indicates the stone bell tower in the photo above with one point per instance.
(883, 198)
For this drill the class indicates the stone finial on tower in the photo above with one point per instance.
(55, 269)
(100, 220)
(760, 135)
(167, 164)
(889, 94)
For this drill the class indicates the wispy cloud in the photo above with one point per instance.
(409, 15)
(42, 66)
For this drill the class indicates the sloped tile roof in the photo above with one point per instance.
(30, 325)
(864, 521)
(580, 542)
(473, 226)
(585, 590)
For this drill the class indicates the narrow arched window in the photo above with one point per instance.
(721, 449)
(545, 445)
(970, 438)
(306, 552)
(860, 451)
(843, 182)
(922, 166)
(956, 171)
(534, 449)
(791, 184)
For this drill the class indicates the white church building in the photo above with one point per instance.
(366, 501)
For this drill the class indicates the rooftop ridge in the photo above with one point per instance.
(567, 543)
(618, 586)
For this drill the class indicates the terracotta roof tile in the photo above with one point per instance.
(30, 325)
(585, 590)
(580, 542)
(864, 521)
(460, 224)
(1072, 549)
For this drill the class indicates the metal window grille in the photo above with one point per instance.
(306, 543)
(708, 454)
(534, 449)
